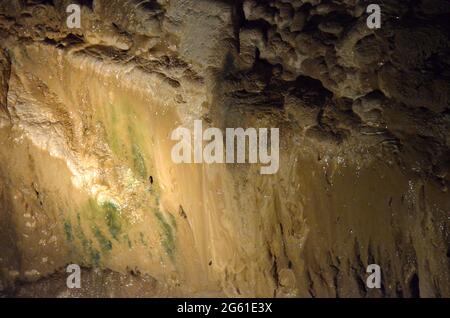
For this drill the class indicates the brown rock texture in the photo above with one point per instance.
(86, 176)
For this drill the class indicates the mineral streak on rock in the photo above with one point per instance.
(86, 176)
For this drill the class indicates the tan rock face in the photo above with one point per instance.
(87, 177)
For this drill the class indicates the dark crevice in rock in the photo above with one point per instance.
(414, 286)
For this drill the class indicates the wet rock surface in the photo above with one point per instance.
(85, 120)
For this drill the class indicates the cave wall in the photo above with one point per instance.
(86, 116)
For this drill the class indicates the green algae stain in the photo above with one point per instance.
(92, 209)
(81, 237)
(86, 244)
(68, 230)
(141, 236)
(168, 237)
(95, 257)
(126, 238)
(114, 143)
(111, 129)
(108, 212)
(113, 113)
(105, 244)
(173, 221)
(139, 162)
(137, 140)
(123, 127)
(112, 217)
(79, 232)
